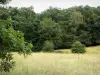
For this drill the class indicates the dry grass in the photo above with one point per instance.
(89, 50)
(58, 64)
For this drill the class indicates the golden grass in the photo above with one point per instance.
(89, 50)
(58, 64)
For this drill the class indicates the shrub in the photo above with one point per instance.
(48, 46)
(78, 47)
(7, 62)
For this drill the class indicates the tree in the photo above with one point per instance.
(53, 13)
(76, 18)
(3, 13)
(79, 28)
(95, 31)
(25, 20)
(77, 47)
(49, 30)
(11, 41)
(48, 46)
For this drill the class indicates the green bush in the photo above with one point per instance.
(78, 47)
(7, 62)
(48, 46)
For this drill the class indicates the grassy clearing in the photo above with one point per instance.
(58, 64)
(89, 50)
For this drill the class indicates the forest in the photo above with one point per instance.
(60, 26)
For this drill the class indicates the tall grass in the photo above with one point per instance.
(57, 64)
(89, 50)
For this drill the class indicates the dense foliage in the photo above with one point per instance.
(61, 26)
(10, 41)
(48, 46)
(77, 47)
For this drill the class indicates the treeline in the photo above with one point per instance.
(62, 27)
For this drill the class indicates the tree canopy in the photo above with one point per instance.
(10, 41)
(61, 26)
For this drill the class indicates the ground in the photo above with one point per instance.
(64, 63)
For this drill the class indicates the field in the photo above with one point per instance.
(63, 63)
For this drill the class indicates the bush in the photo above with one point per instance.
(48, 46)
(6, 62)
(78, 47)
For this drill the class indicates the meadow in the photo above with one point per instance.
(61, 62)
